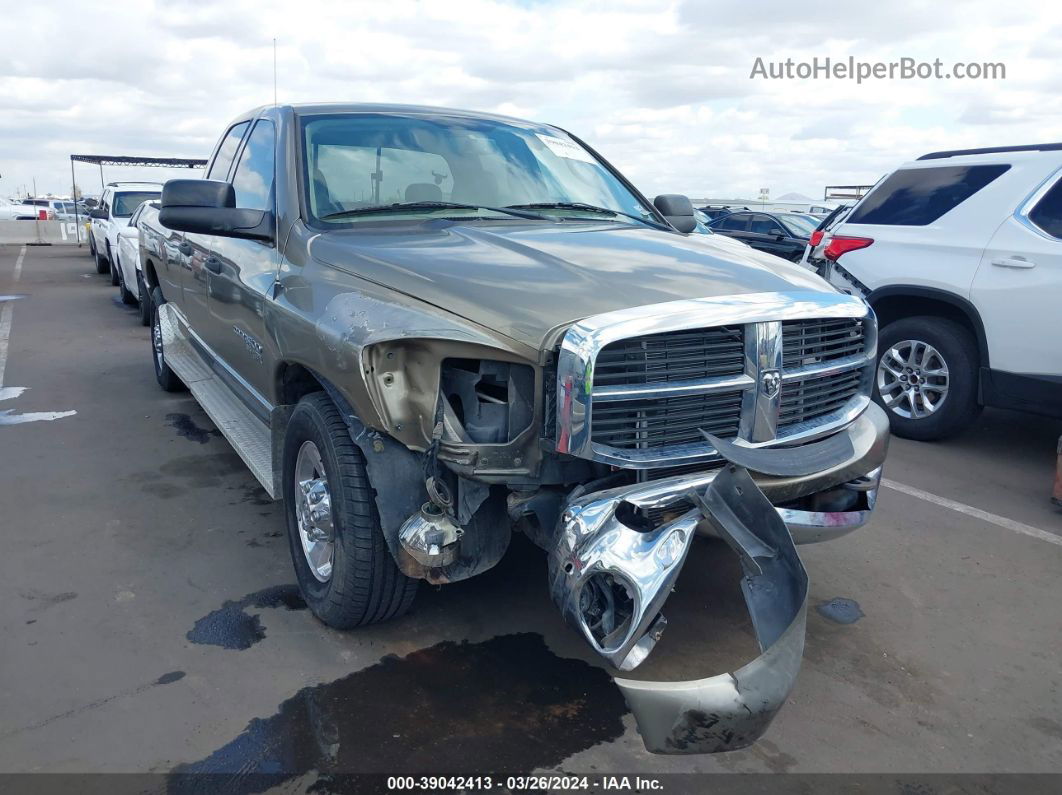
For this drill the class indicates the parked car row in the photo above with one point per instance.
(113, 237)
(960, 255)
(41, 210)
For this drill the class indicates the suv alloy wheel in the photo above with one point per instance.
(926, 377)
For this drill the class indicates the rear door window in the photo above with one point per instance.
(1047, 214)
(737, 222)
(919, 196)
(219, 169)
(764, 225)
(253, 180)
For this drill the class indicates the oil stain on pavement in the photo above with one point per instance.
(186, 427)
(840, 610)
(507, 705)
(232, 627)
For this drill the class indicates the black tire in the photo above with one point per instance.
(101, 261)
(113, 266)
(365, 585)
(958, 351)
(167, 379)
(127, 297)
(145, 300)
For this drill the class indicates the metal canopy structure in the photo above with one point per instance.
(833, 192)
(124, 160)
(151, 162)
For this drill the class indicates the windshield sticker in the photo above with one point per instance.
(563, 148)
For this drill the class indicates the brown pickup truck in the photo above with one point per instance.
(427, 329)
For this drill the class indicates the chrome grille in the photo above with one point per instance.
(674, 356)
(807, 342)
(809, 398)
(635, 387)
(662, 422)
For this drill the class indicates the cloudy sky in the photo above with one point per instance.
(661, 88)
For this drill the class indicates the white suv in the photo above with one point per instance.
(117, 205)
(960, 255)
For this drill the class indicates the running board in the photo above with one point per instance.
(248, 435)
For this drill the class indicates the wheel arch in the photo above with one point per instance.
(151, 279)
(896, 302)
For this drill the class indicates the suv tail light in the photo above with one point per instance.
(842, 245)
(816, 237)
(42, 215)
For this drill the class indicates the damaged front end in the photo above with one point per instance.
(610, 573)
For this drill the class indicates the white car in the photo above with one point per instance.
(10, 211)
(127, 264)
(117, 205)
(960, 255)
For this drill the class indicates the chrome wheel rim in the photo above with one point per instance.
(913, 379)
(156, 341)
(313, 511)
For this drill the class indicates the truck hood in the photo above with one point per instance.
(524, 280)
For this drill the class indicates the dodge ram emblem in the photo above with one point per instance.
(770, 383)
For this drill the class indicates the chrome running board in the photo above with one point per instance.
(248, 435)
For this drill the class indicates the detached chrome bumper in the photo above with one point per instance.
(610, 573)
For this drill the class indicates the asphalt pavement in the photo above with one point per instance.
(149, 620)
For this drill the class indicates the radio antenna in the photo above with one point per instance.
(274, 70)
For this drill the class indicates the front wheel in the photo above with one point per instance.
(344, 569)
(926, 378)
(145, 300)
(114, 267)
(127, 297)
(101, 261)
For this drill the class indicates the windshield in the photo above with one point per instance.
(125, 204)
(799, 225)
(355, 162)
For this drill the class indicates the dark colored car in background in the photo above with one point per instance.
(782, 234)
(714, 211)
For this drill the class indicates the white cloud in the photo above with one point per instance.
(662, 89)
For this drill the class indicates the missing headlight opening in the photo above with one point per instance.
(490, 402)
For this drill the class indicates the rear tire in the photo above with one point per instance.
(356, 581)
(926, 378)
(167, 379)
(101, 261)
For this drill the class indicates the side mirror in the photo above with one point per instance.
(99, 215)
(208, 207)
(678, 211)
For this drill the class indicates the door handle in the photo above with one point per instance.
(185, 248)
(212, 264)
(1013, 262)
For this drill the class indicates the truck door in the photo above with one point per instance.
(1018, 286)
(767, 235)
(197, 250)
(240, 273)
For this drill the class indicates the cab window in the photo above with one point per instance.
(219, 169)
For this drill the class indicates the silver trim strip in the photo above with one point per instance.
(706, 386)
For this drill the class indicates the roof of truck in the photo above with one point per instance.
(315, 108)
